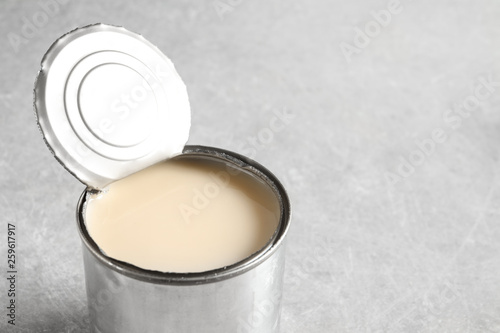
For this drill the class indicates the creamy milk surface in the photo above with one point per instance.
(183, 215)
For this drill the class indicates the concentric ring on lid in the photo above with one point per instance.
(109, 103)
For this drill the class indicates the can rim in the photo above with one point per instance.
(214, 275)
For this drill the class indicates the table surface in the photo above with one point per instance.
(390, 151)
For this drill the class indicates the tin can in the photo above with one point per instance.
(244, 297)
(109, 103)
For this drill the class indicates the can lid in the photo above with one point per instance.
(110, 103)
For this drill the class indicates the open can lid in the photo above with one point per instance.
(109, 103)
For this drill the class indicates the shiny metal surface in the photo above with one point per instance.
(250, 302)
(110, 103)
(244, 297)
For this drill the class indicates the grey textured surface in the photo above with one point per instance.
(364, 255)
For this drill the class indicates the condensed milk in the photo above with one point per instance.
(183, 215)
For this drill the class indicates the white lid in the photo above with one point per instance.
(109, 103)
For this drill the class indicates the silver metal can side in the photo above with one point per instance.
(242, 298)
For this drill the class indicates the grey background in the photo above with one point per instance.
(364, 255)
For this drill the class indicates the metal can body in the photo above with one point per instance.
(242, 298)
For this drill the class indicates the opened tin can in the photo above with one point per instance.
(109, 104)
